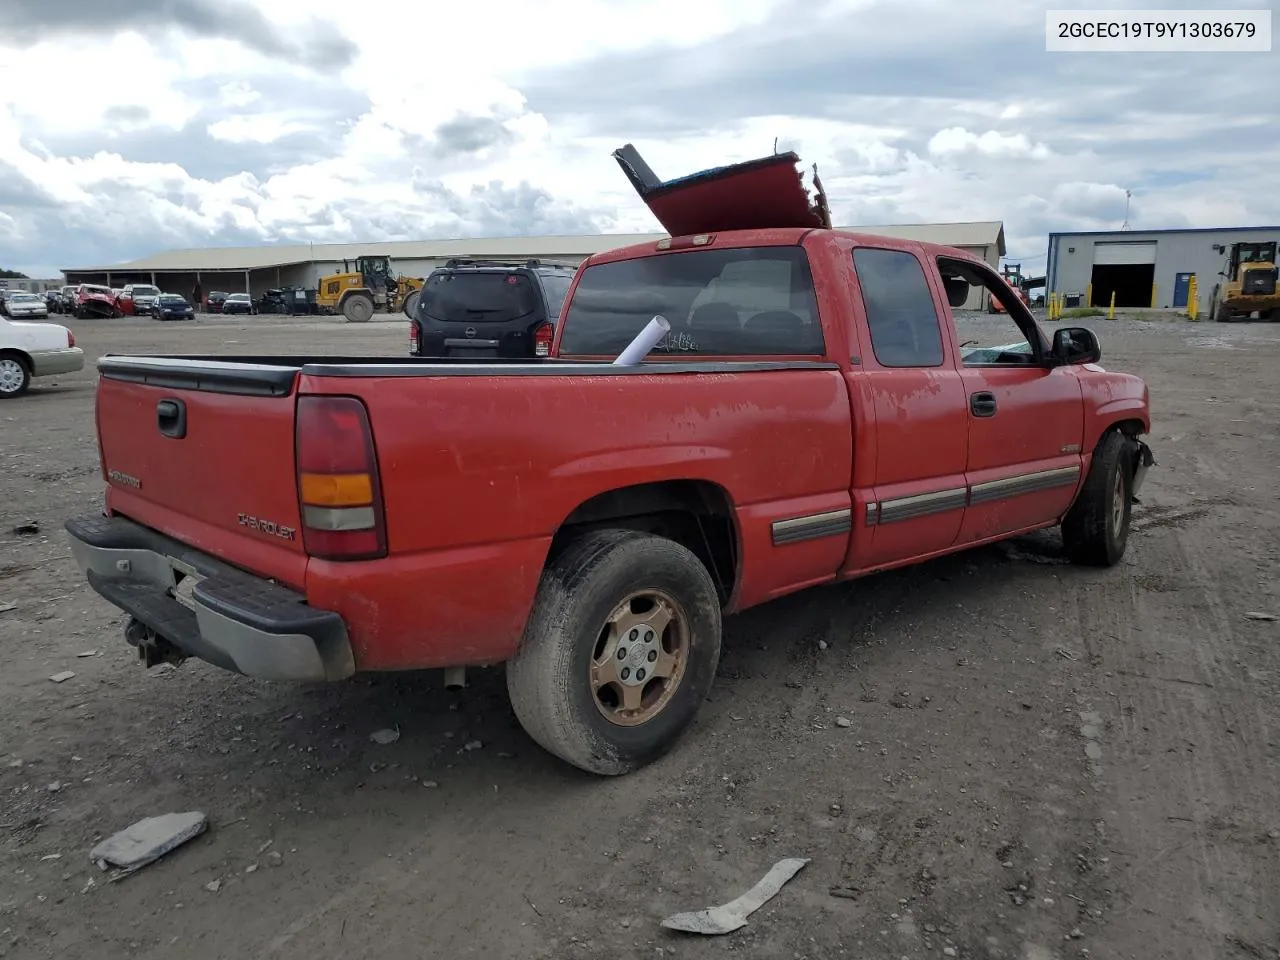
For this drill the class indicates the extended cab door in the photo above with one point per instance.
(1025, 418)
(910, 411)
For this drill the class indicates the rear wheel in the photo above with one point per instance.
(619, 652)
(1096, 528)
(15, 376)
(358, 308)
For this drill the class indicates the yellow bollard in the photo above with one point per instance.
(1111, 313)
(1052, 304)
(1088, 295)
(1153, 296)
(1193, 298)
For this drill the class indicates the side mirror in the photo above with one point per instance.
(1074, 345)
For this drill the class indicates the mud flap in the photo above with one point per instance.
(1143, 460)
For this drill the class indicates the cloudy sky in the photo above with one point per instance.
(131, 126)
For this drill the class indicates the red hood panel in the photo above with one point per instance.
(752, 195)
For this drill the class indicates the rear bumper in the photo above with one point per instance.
(51, 363)
(230, 618)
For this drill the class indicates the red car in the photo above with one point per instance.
(808, 417)
(93, 300)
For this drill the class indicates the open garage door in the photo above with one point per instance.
(1123, 254)
(1127, 269)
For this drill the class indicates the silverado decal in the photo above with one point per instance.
(124, 479)
(269, 527)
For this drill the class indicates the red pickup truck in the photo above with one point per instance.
(815, 413)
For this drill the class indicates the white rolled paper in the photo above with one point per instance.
(645, 340)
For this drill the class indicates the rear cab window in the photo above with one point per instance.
(747, 301)
(902, 316)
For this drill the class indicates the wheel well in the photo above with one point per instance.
(1130, 428)
(23, 358)
(697, 514)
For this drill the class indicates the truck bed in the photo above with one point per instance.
(481, 462)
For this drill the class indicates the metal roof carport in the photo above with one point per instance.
(255, 269)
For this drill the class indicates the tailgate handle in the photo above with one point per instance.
(171, 417)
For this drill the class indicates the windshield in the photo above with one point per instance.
(238, 296)
(171, 298)
(145, 291)
(749, 301)
(92, 289)
(556, 286)
(21, 297)
(470, 297)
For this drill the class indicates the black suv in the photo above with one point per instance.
(488, 308)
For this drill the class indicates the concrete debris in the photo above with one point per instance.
(430, 784)
(148, 840)
(733, 915)
(472, 745)
(213, 886)
(251, 868)
(275, 858)
(62, 677)
(385, 737)
(1265, 617)
(844, 722)
(5, 606)
(54, 787)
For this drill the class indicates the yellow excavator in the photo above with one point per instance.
(365, 286)
(1248, 284)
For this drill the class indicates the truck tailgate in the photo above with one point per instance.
(208, 460)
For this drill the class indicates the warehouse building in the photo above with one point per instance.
(1144, 268)
(257, 269)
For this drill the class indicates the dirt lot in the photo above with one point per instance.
(1042, 761)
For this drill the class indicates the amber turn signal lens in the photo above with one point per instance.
(336, 489)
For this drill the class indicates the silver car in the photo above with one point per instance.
(21, 306)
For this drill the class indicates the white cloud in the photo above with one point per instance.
(431, 120)
(958, 141)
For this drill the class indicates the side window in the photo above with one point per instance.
(901, 315)
(994, 340)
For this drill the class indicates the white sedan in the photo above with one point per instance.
(34, 350)
(24, 305)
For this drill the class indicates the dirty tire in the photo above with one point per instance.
(1096, 528)
(411, 303)
(358, 308)
(549, 678)
(15, 375)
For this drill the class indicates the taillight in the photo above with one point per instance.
(542, 340)
(338, 486)
(413, 338)
(71, 339)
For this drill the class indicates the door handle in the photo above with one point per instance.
(171, 418)
(983, 403)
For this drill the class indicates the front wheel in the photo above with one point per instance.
(1096, 528)
(410, 307)
(619, 652)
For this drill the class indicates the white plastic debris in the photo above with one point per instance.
(733, 915)
(148, 840)
(385, 737)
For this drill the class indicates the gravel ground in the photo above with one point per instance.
(992, 755)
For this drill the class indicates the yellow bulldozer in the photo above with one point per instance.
(1248, 285)
(364, 286)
